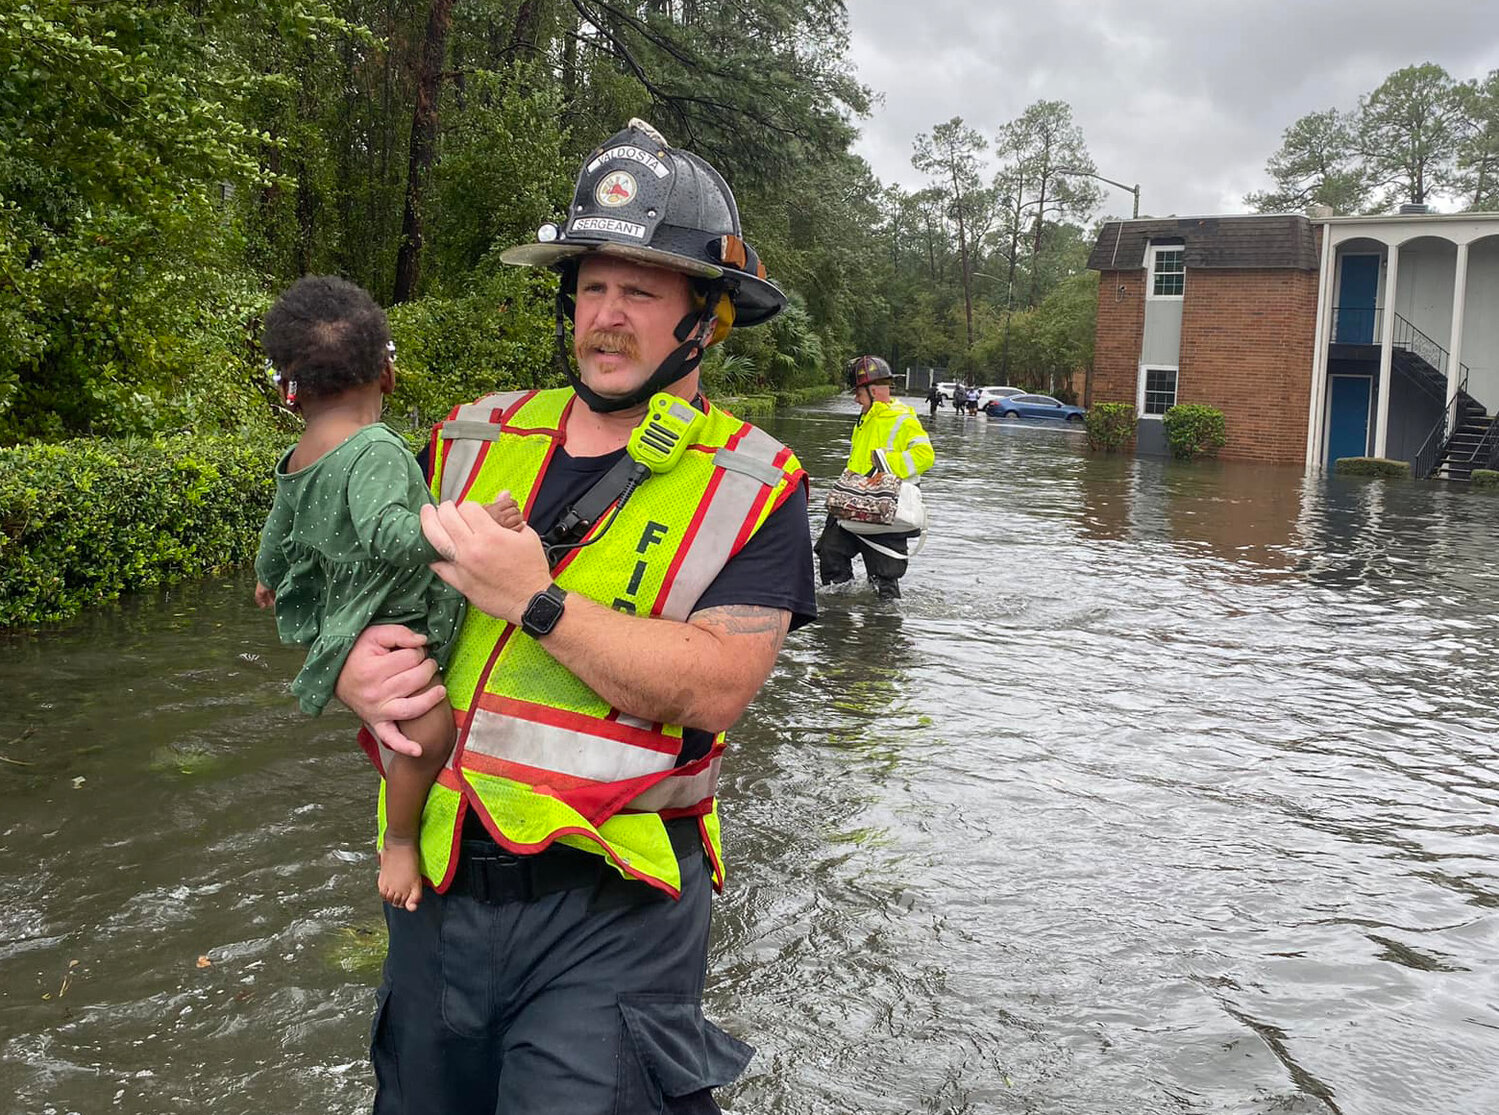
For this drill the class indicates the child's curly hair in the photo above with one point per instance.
(327, 334)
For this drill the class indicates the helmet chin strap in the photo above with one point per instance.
(693, 331)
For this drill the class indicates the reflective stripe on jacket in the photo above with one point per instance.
(894, 428)
(540, 756)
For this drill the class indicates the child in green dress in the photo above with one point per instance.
(343, 546)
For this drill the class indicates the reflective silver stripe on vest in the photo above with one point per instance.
(735, 461)
(714, 541)
(562, 750)
(463, 445)
(679, 792)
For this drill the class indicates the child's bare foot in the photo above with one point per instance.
(400, 873)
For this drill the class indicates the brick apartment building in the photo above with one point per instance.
(1280, 322)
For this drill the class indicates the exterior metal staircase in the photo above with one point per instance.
(1465, 436)
(1459, 441)
(1470, 446)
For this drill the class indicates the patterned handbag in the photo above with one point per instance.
(857, 498)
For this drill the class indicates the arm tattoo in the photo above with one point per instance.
(745, 619)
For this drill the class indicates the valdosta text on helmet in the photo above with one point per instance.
(638, 198)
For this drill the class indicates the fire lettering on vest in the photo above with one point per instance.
(651, 536)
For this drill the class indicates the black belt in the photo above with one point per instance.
(488, 873)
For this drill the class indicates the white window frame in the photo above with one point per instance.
(1155, 252)
(1140, 389)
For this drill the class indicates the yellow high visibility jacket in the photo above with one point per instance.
(540, 756)
(894, 428)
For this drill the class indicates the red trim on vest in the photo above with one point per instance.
(748, 527)
(577, 722)
(531, 849)
(505, 415)
(596, 801)
(371, 747)
(440, 885)
(692, 528)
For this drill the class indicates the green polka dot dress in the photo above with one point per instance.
(343, 549)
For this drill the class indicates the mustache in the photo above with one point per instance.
(621, 342)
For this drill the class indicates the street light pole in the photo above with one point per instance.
(1135, 189)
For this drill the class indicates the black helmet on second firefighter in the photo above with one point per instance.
(861, 371)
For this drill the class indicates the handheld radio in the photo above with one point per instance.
(655, 446)
(664, 434)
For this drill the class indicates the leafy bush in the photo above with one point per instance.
(1485, 478)
(1194, 430)
(1370, 466)
(83, 521)
(452, 350)
(1110, 426)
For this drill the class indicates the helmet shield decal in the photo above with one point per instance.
(639, 198)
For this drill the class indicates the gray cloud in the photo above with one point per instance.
(1187, 98)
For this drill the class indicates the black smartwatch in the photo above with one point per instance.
(543, 612)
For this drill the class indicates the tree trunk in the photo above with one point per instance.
(957, 194)
(423, 147)
(1030, 299)
(527, 29)
(1004, 352)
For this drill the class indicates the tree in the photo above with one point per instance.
(1408, 134)
(1317, 164)
(423, 146)
(1034, 149)
(1477, 178)
(949, 155)
(1037, 147)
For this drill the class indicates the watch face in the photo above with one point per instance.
(543, 612)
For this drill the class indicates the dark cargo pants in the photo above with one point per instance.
(584, 1002)
(837, 548)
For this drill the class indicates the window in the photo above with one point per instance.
(1168, 271)
(1158, 394)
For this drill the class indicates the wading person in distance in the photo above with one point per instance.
(557, 961)
(343, 547)
(933, 399)
(894, 429)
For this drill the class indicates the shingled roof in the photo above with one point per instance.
(1279, 241)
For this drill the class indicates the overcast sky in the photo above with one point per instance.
(1186, 97)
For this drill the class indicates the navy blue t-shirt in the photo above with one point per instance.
(773, 570)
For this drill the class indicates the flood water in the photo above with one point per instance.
(1164, 789)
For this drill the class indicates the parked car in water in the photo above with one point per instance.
(989, 395)
(946, 390)
(1035, 406)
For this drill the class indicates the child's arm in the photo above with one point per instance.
(270, 563)
(383, 495)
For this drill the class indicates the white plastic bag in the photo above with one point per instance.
(910, 515)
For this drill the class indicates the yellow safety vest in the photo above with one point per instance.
(894, 428)
(540, 756)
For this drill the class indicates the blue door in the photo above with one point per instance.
(1356, 297)
(1348, 417)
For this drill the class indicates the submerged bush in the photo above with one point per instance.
(1370, 466)
(1194, 430)
(1485, 478)
(1110, 426)
(83, 521)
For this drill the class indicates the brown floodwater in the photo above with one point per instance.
(1165, 788)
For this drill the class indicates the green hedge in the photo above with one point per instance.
(748, 406)
(1370, 466)
(1110, 426)
(800, 396)
(1485, 478)
(1194, 430)
(83, 521)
